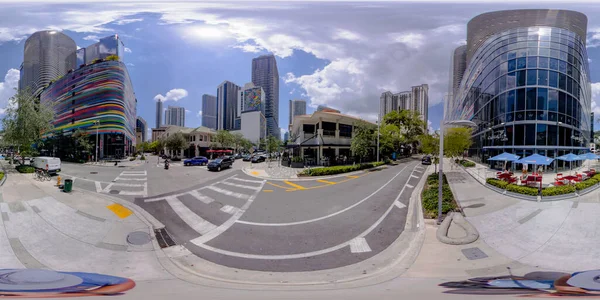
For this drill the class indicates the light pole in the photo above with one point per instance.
(378, 125)
(441, 174)
(97, 123)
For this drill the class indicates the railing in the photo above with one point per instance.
(328, 132)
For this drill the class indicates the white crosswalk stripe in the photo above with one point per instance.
(228, 192)
(140, 189)
(189, 217)
(201, 197)
(245, 180)
(241, 186)
(229, 209)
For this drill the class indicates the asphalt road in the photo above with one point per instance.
(243, 222)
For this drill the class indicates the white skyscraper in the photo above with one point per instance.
(297, 108)
(228, 118)
(175, 115)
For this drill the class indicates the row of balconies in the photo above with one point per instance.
(323, 137)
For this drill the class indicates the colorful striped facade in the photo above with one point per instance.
(98, 92)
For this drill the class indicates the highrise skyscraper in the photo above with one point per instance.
(228, 94)
(420, 101)
(266, 75)
(417, 99)
(297, 108)
(209, 111)
(159, 113)
(48, 55)
(175, 115)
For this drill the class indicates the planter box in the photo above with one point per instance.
(297, 165)
(285, 163)
(495, 188)
(521, 196)
(559, 197)
(590, 189)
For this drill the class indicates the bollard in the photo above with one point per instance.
(58, 180)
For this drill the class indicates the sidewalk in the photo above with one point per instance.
(557, 235)
(43, 227)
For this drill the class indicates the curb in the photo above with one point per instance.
(5, 175)
(402, 253)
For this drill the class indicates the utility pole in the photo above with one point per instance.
(97, 122)
(378, 125)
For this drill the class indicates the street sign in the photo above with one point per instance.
(251, 150)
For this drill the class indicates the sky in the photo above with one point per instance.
(339, 54)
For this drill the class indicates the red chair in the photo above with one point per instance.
(579, 178)
(558, 183)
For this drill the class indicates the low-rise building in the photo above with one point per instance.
(324, 135)
(200, 139)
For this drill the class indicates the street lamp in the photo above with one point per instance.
(441, 174)
(378, 125)
(97, 123)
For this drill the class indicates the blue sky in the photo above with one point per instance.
(343, 55)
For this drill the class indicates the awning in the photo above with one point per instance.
(218, 151)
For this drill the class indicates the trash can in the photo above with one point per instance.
(68, 185)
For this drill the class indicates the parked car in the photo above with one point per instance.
(247, 157)
(220, 164)
(426, 160)
(238, 156)
(52, 164)
(259, 158)
(196, 161)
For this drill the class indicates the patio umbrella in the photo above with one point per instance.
(588, 156)
(570, 158)
(535, 160)
(506, 157)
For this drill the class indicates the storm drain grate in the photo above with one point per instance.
(138, 238)
(473, 253)
(93, 172)
(163, 238)
(114, 191)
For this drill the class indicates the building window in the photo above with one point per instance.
(345, 130)
(329, 128)
(308, 128)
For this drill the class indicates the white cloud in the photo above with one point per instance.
(249, 48)
(172, 95)
(429, 128)
(94, 38)
(130, 64)
(128, 21)
(187, 111)
(342, 34)
(7, 88)
(78, 47)
(596, 98)
(127, 50)
(411, 39)
(293, 89)
(199, 115)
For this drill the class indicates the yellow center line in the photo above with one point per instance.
(352, 176)
(325, 181)
(268, 191)
(294, 185)
(279, 186)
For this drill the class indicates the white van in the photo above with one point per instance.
(52, 164)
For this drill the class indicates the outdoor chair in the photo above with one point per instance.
(559, 183)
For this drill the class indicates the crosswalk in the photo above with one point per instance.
(200, 215)
(129, 183)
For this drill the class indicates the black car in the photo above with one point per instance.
(220, 164)
(258, 158)
(426, 160)
(247, 157)
(238, 156)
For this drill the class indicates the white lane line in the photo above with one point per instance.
(199, 241)
(399, 204)
(246, 180)
(107, 188)
(329, 215)
(228, 209)
(189, 217)
(136, 179)
(299, 255)
(159, 198)
(132, 193)
(228, 192)
(134, 173)
(413, 176)
(98, 187)
(409, 186)
(127, 184)
(241, 186)
(201, 197)
(418, 171)
(359, 245)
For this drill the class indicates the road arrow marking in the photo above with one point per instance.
(359, 245)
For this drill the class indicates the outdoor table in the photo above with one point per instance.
(570, 178)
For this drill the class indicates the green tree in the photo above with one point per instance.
(272, 144)
(246, 144)
(430, 144)
(390, 138)
(225, 138)
(83, 145)
(363, 139)
(457, 140)
(409, 123)
(25, 120)
(238, 140)
(176, 142)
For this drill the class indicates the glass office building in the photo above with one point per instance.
(526, 84)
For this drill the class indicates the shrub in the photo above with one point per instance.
(525, 190)
(430, 200)
(467, 164)
(339, 169)
(1, 175)
(597, 177)
(433, 179)
(297, 159)
(378, 163)
(497, 182)
(585, 184)
(25, 169)
(132, 158)
(558, 190)
(143, 157)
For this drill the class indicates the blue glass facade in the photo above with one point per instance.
(528, 90)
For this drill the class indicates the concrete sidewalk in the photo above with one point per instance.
(43, 227)
(557, 235)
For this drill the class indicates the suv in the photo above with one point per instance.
(426, 160)
(220, 164)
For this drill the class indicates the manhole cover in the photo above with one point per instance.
(114, 191)
(138, 238)
(93, 172)
(473, 253)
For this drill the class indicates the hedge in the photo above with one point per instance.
(430, 200)
(597, 177)
(1, 175)
(339, 169)
(131, 158)
(467, 164)
(558, 190)
(525, 190)
(497, 182)
(143, 157)
(433, 179)
(585, 184)
(25, 169)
